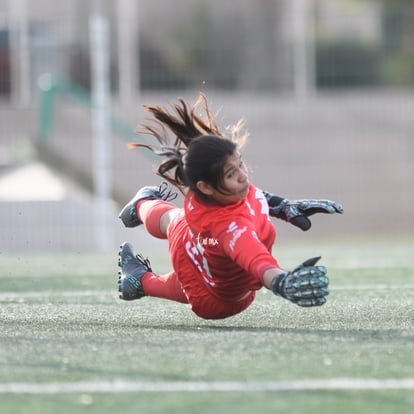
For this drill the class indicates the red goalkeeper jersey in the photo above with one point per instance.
(227, 247)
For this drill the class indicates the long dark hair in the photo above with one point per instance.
(199, 150)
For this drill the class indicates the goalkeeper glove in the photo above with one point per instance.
(298, 211)
(306, 285)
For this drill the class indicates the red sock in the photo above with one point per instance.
(163, 286)
(150, 212)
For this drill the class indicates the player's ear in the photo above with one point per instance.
(204, 188)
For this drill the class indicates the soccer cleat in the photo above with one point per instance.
(131, 269)
(129, 214)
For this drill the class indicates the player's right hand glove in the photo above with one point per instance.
(306, 285)
(297, 212)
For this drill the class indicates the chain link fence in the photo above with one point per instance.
(325, 86)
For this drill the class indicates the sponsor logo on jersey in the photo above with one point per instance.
(237, 232)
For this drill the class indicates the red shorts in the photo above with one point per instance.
(202, 302)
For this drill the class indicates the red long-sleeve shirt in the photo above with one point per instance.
(228, 247)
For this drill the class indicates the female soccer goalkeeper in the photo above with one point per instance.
(220, 242)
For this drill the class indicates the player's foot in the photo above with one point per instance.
(131, 269)
(129, 214)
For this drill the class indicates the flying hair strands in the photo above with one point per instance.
(185, 125)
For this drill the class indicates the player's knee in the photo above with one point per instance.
(152, 213)
(167, 217)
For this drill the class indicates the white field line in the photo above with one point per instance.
(56, 293)
(122, 386)
(91, 293)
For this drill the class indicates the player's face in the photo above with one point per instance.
(235, 181)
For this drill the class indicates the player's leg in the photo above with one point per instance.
(156, 215)
(164, 286)
(130, 215)
(136, 279)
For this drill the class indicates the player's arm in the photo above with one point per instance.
(297, 212)
(306, 285)
(241, 244)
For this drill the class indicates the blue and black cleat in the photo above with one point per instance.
(131, 269)
(129, 214)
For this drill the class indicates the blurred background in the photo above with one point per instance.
(326, 88)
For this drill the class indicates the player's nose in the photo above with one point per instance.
(243, 177)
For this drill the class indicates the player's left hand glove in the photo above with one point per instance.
(306, 285)
(298, 211)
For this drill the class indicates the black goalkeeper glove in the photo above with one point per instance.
(306, 285)
(298, 211)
